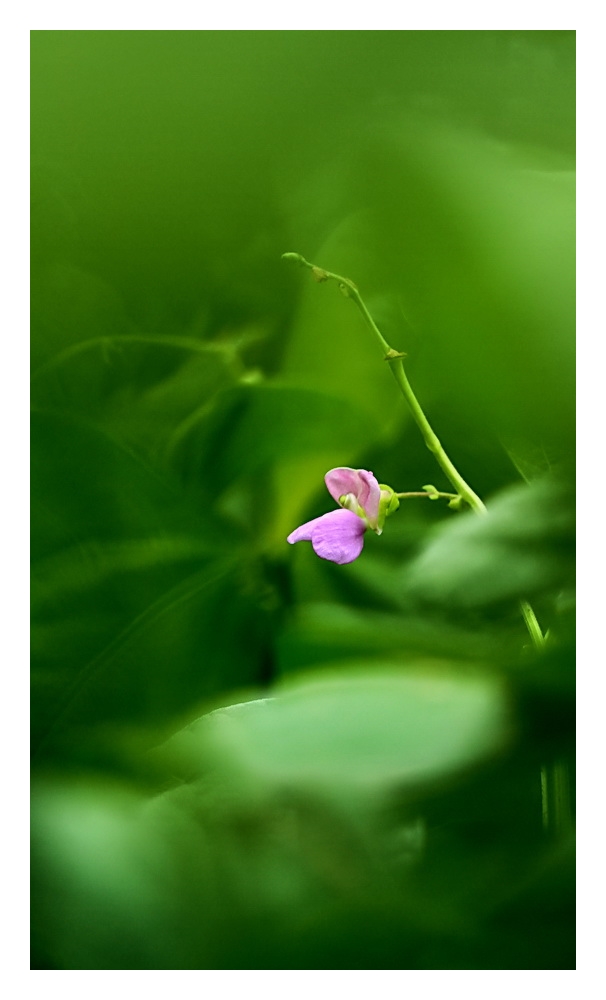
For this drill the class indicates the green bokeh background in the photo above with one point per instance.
(189, 392)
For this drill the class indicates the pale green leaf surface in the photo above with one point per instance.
(368, 729)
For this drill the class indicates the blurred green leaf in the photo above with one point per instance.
(277, 434)
(69, 305)
(485, 274)
(367, 729)
(135, 590)
(85, 485)
(109, 890)
(523, 546)
(139, 388)
(320, 633)
(262, 425)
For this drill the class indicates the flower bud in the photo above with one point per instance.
(388, 503)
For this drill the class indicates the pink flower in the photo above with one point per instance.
(339, 535)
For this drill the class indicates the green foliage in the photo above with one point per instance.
(529, 536)
(363, 729)
(244, 756)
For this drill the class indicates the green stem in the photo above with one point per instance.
(347, 287)
(438, 495)
(431, 440)
(534, 629)
(555, 778)
(396, 363)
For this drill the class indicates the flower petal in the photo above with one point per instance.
(371, 491)
(303, 533)
(338, 536)
(340, 482)
(361, 483)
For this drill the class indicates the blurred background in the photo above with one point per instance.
(392, 789)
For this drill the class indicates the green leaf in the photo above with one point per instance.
(523, 546)
(368, 729)
(113, 862)
(322, 632)
(140, 388)
(142, 602)
(298, 433)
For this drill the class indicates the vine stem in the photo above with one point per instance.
(554, 783)
(431, 440)
(438, 495)
(395, 360)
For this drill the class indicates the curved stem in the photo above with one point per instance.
(431, 440)
(347, 287)
(396, 363)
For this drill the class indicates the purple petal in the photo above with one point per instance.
(339, 482)
(361, 483)
(372, 495)
(303, 533)
(337, 536)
